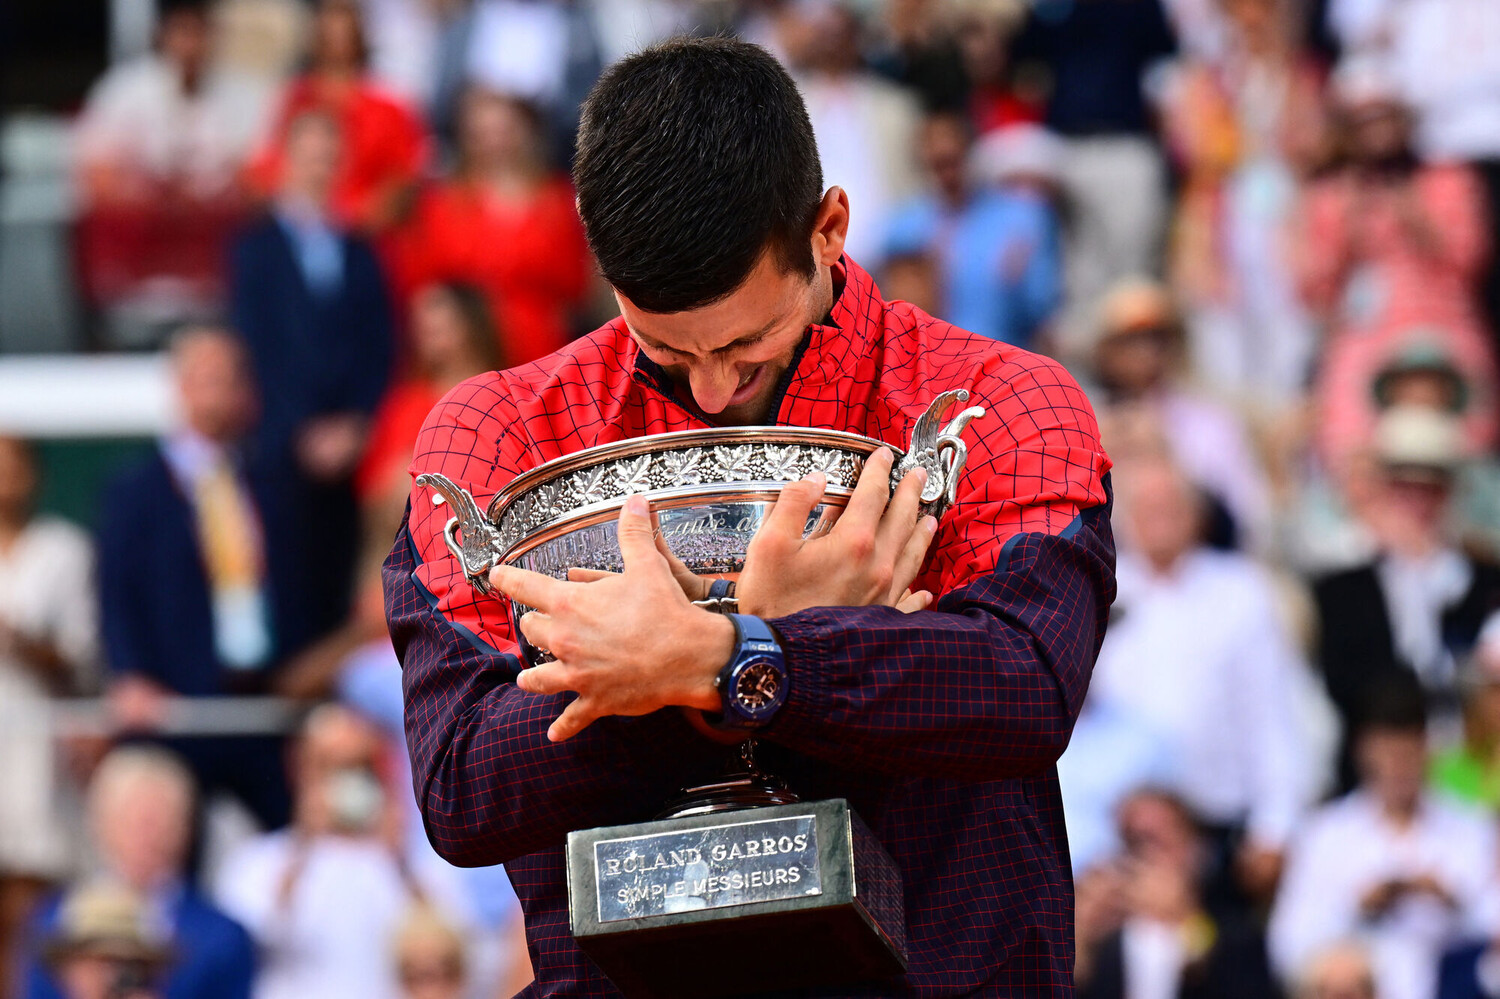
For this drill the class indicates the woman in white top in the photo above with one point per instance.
(48, 639)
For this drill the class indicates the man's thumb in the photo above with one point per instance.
(636, 537)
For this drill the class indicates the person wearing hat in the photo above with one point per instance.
(140, 806)
(1416, 607)
(1424, 366)
(1138, 364)
(106, 947)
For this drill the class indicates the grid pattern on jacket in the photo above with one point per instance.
(941, 728)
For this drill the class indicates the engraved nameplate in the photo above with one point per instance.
(708, 868)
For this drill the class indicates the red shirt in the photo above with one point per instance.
(385, 145)
(529, 258)
(940, 727)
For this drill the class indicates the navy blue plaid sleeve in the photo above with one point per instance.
(490, 785)
(985, 686)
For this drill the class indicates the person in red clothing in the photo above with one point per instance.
(1392, 252)
(507, 223)
(385, 141)
(700, 187)
(452, 337)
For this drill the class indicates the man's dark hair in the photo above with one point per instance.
(694, 157)
(1394, 703)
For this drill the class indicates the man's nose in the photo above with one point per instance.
(713, 384)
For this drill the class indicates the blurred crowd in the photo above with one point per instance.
(1260, 232)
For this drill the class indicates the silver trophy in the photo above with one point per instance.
(709, 492)
(739, 865)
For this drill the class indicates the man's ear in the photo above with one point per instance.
(831, 227)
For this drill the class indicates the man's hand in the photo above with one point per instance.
(627, 644)
(870, 556)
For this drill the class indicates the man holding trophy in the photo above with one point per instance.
(909, 634)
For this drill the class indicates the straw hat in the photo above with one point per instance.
(106, 920)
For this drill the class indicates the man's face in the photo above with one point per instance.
(143, 832)
(214, 386)
(1393, 763)
(729, 355)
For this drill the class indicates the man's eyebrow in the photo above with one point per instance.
(742, 341)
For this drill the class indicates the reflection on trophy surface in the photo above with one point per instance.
(740, 860)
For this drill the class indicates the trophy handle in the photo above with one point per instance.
(940, 450)
(478, 548)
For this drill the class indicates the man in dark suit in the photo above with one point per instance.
(311, 302)
(199, 574)
(1416, 608)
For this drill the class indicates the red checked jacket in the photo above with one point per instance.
(942, 727)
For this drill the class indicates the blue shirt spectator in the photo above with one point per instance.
(997, 255)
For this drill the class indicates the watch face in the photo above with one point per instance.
(757, 686)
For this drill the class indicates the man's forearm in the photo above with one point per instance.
(985, 686)
(489, 783)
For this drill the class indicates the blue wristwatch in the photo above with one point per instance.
(753, 684)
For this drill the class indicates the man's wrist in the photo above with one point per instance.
(713, 646)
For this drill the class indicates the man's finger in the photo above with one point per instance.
(577, 575)
(788, 516)
(911, 602)
(538, 629)
(871, 494)
(694, 586)
(531, 588)
(909, 562)
(548, 678)
(637, 541)
(575, 718)
(900, 518)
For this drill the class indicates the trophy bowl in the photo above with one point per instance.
(709, 490)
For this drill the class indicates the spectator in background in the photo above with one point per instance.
(1001, 94)
(48, 647)
(383, 143)
(160, 145)
(866, 126)
(1445, 56)
(996, 249)
(1197, 651)
(1389, 864)
(1390, 246)
(453, 337)
(1470, 769)
(1111, 754)
(325, 898)
(505, 222)
(1143, 407)
(431, 957)
(141, 817)
(105, 947)
(1159, 936)
(1114, 176)
(1416, 608)
(1341, 972)
(1245, 129)
(311, 302)
(200, 576)
(1422, 366)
